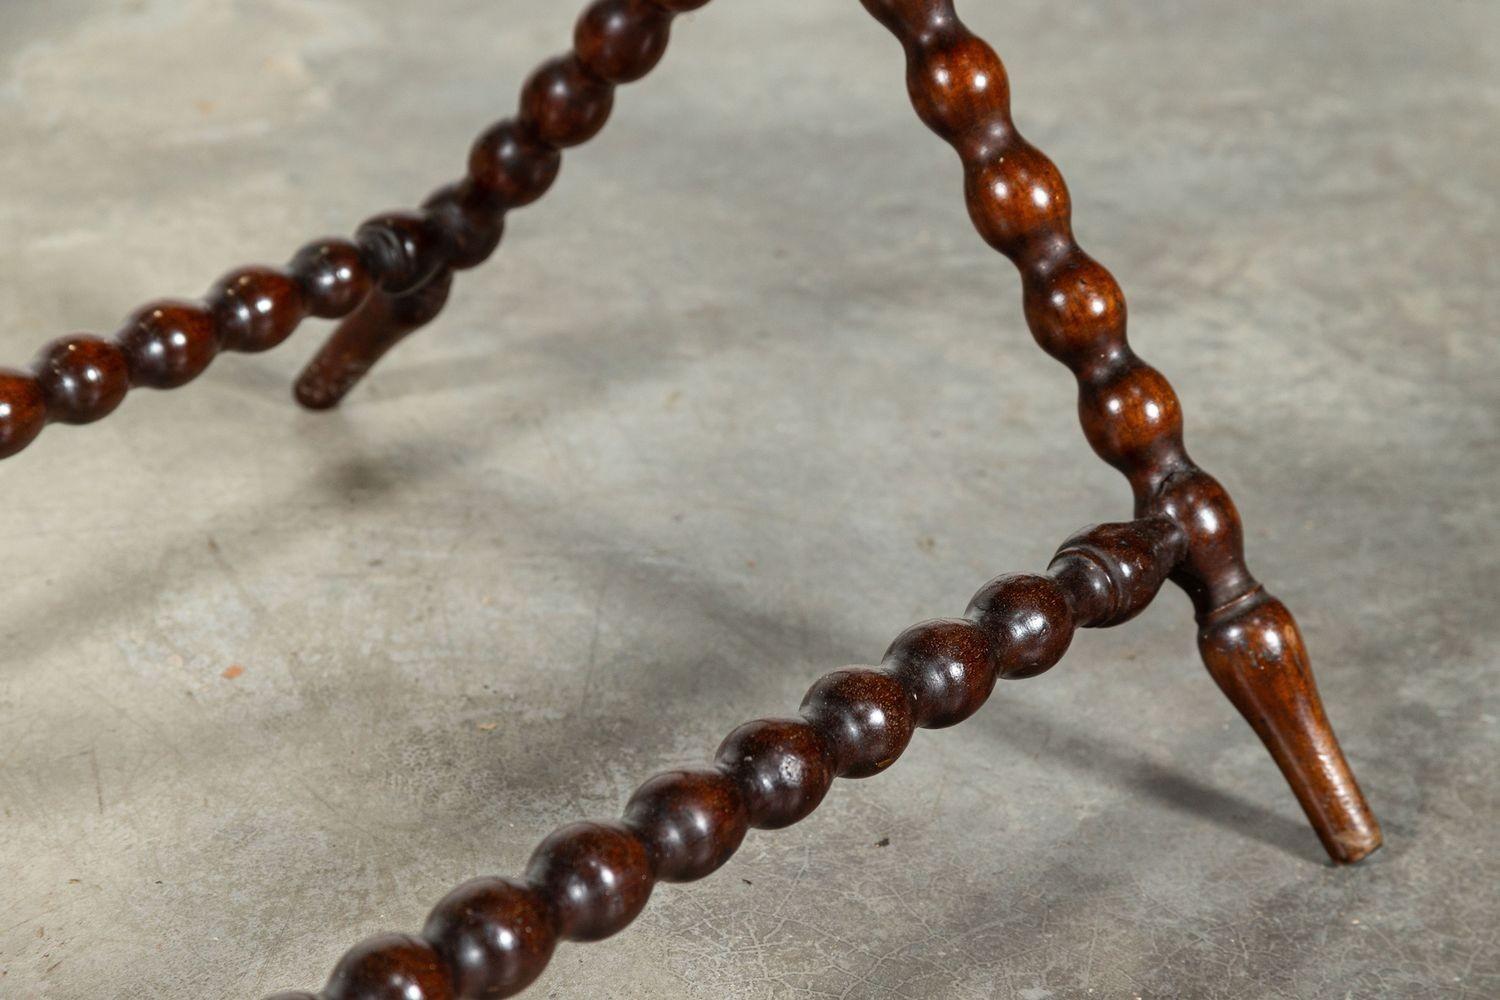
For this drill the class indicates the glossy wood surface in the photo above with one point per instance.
(389, 281)
(492, 937)
(1132, 418)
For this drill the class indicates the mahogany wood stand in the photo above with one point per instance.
(491, 937)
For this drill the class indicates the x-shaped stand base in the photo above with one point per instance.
(492, 937)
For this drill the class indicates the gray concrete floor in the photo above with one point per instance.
(742, 398)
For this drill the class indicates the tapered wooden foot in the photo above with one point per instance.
(382, 322)
(1255, 653)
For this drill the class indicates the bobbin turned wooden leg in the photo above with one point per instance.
(389, 281)
(1019, 203)
(564, 103)
(492, 937)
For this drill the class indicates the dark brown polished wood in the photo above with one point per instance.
(1020, 205)
(389, 281)
(491, 937)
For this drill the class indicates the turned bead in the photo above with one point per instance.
(512, 165)
(622, 40)
(333, 277)
(690, 822)
(784, 767)
(1200, 504)
(1110, 572)
(390, 967)
(1132, 418)
(403, 249)
(596, 877)
(23, 411)
(496, 935)
(1027, 618)
(1087, 585)
(564, 104)
(947, 667)
(1077, 313)
(470, 221)
(867, 716)
(256, 308)
(83, 378)
(1014, 196)
(679, 6)
(168, 344)
(957, 82)
(1215, 561)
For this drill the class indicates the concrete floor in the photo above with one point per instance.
(742, 398)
